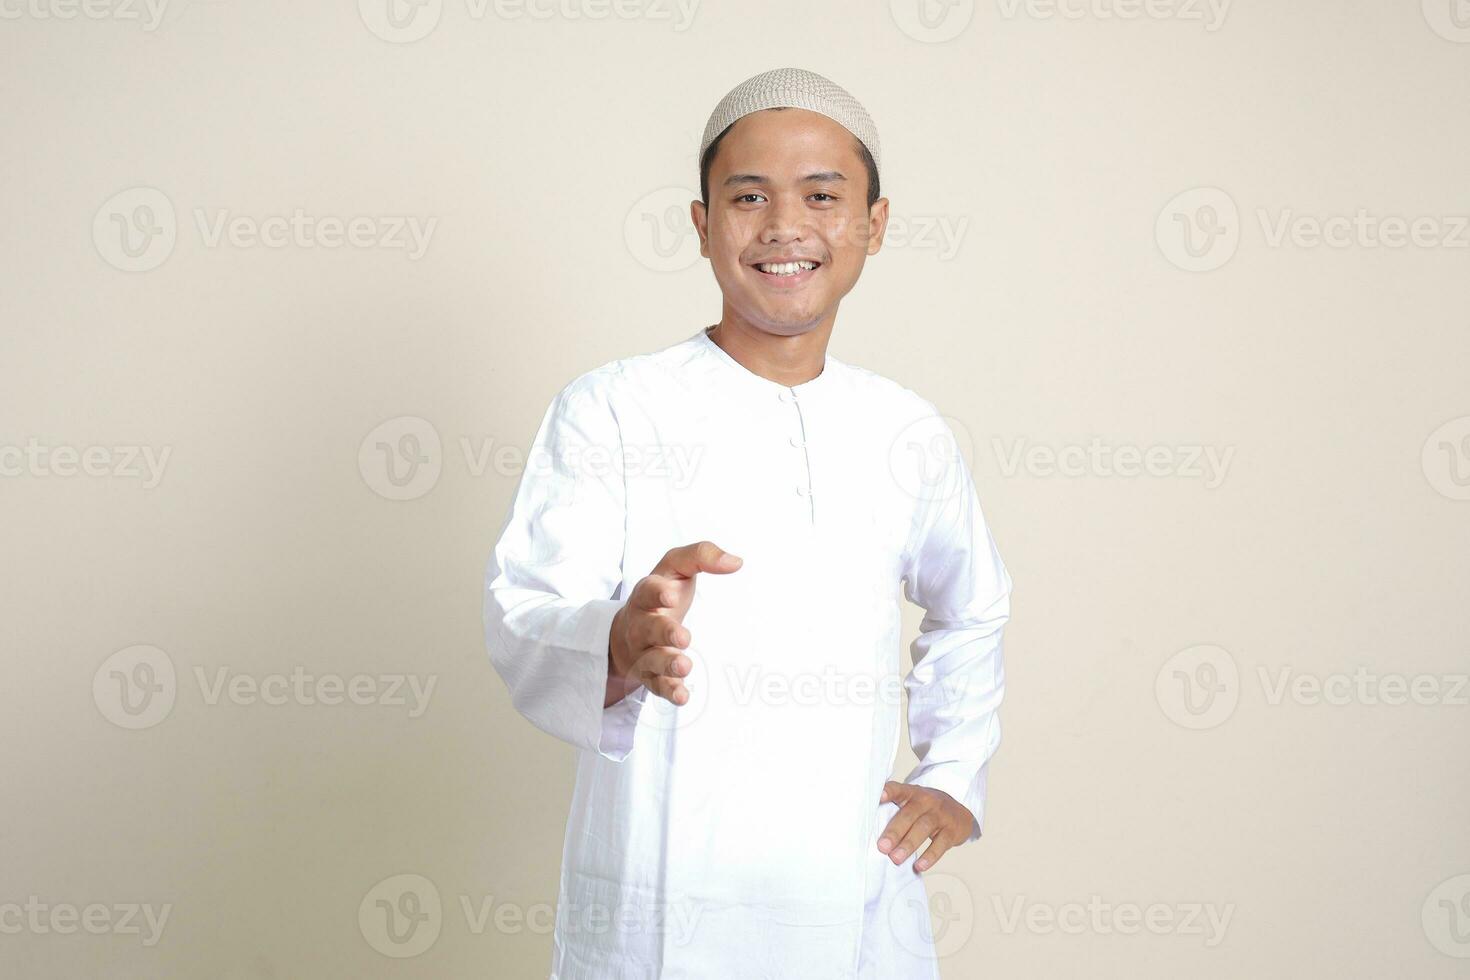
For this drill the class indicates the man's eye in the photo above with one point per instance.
(824, 194)
(742, 197)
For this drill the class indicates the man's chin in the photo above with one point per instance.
(787, 327)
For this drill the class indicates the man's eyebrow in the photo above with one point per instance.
(821, 176)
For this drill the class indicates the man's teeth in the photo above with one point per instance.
(786, 268)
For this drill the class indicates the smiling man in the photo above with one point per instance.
(733, 815)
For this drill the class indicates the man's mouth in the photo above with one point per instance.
(787, 273)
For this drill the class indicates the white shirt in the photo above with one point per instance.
(735, 836)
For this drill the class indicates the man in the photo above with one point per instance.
(733, 815)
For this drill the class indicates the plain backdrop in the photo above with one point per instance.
(1191, 281)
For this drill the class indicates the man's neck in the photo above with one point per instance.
(788, 361)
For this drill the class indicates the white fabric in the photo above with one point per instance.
(735, 836)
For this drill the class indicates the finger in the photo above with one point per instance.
(919, 832)
(895, 792)
(897, 828)
(652, 593)
(701, 556)
(671, 689)
(939, 843)
(657, 630)
(662, 662)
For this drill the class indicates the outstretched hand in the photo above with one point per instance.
(648, 638)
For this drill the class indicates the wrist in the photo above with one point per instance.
(617, 685)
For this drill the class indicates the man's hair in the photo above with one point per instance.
(709, 157)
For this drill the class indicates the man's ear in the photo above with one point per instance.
(700, 215)
(877, 224)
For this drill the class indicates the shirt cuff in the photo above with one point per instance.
(620, 724)
(618, 721)
(966, 786)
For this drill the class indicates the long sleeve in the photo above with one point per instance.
(553, 576)
(954, 573)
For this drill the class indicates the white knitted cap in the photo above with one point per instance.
(800, 89)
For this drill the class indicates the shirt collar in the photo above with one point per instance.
(747, 378)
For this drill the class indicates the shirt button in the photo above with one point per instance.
(787, 397)
(796, 441)
(801, 491)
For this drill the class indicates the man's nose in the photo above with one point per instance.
(785, 219)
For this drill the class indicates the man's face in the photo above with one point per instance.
(788, 185)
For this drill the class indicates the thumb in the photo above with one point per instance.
(701, 556)
(719, 561)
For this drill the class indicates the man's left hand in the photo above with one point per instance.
(923, 814)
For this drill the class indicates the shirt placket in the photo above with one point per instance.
(797, 437)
